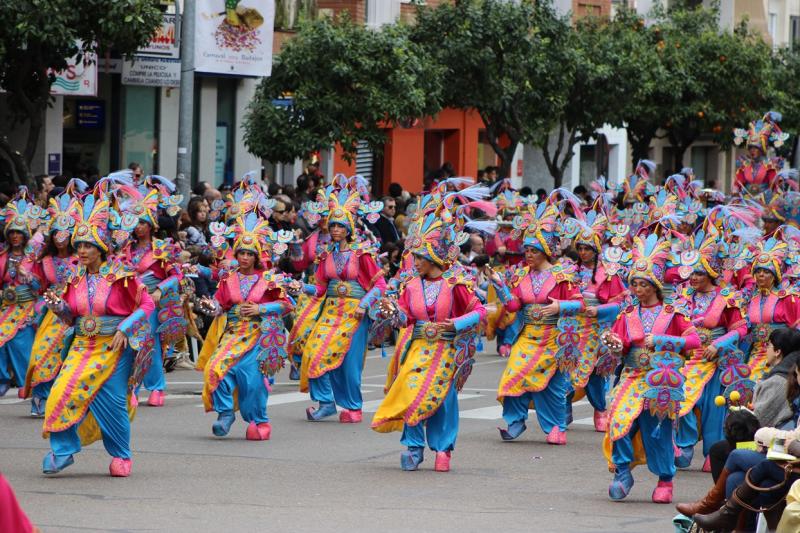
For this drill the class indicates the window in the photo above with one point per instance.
(794, 25)
(139, 127)
(772, 27)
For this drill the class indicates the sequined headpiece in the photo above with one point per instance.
(770, 254)
(634, 188)
(589, 232)
(537, 226)
(253, 234)
(92, 220)
(342, 205)
(650, 257)
(22, 215)
(700, 253)
(762, 133)
(435, 238)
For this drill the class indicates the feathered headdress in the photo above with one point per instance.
(762, 133)
(92, 220)
(341, 206)
(770, 254)
(62, 220)
(253, 234)
(650, 257)
(700, 253)
(537, 227)
(20, 214)
(435, 238)
(589, 232)
(634, 188)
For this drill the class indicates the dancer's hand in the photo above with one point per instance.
(156, 296)
(248, 309)
(359, 313)
(710, 353)
(52, 297)
(119, 342)
(649, 341)
(386, 307)
(551, 309)
(591, 312)
(447, 325)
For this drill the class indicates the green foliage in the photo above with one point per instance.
(510, 61)
(41, 34)
(785, 94)
(348, 84)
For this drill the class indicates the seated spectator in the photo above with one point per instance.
(197, 227)
(773, 401)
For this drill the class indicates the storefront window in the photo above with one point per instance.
(140, 127)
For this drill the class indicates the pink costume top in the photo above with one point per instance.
(538, 286)
(10, 265)
(742, 279)
(754, 176)
(434, 300)
(105, 294)
(777, 306)
(716, 315)
(637, 321)
(310, 249)
(602, 287)
(55, 270)
(355, 265)
(154, 265)
(237, 288)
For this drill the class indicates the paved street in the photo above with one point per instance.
(328, 476)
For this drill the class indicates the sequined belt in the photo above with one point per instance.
(761, 332)
(638, 358)
(431, 332)
(346, 289)
(707, 336)
(90, 326)
(532, 314)
(16, 295)
(150, 281)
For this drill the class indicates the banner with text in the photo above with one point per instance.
(78, 79)
(236, 41)
(152, 72)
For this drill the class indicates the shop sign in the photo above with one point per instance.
(78, 79)
(152, 72)
(237, 41)
(163, 42)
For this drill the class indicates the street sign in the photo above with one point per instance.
(163, 42)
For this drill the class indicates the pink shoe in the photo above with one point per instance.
(348, 416)
(557, 437)
(258, 432)
(601, 421)
(442, 463)
(120, 467)
(663, 492)
(505, 350)
(156, 399)
(707, 465)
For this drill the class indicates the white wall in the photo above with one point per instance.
(207, 138)
(243, 161)
(168, 132)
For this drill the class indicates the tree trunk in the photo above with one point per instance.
(506, 159)
(640, 145)
(19, 165)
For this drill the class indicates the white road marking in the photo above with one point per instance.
(372, 406)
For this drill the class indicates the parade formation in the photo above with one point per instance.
(658, 303)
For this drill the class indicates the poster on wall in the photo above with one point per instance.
(78, 79)
(234, 37)
(163, 43)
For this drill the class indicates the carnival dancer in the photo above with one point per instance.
(543, 350)
(154, 260)
(439, 306)
(773, 304)
(603, 290)
(349, 277)
(55, 264)
(93, 395)
(716, 312)
(755, 171)
(651, 335)
(246, 342)
(21, 287)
